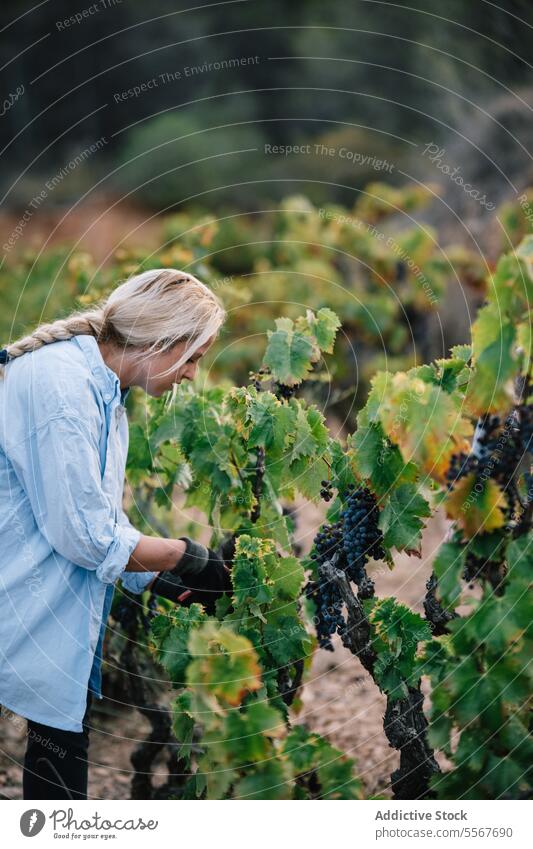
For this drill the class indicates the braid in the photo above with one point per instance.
(90, 323)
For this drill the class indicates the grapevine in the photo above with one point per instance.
(242, 453)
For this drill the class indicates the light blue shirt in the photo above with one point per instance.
(64, 537)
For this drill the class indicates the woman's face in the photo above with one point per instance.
(150, 378)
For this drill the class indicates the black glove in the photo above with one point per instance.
(200, 576)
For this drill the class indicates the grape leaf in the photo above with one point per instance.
(266, 781)
(225, 664)
(494, 362)
(287, 575)
(288, 353)
(377, 460)
(170, 637)
(306, 475)
(476, 505)
(425, 422)
(286, 640)
(323, 326)
(448, 567)
(400, 519)
(388, 676)
(262, 413)
(139, 453)
(302, 439)
(398, 625)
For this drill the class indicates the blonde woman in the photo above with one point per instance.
(64, 537)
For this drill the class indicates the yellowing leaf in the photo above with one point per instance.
(477, 506)
(425, 422)
(225, 664)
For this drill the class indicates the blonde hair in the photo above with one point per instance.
(151, 311)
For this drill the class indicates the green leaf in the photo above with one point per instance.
(497, 623)
(397, 622)
(449, 371)
(288, 354)
(183, 723)
(139, 453)
(388, 676)
(504, 776)
(318, 429)
(302, 439)
(266, 781)
(472, 749)
(300, 747)
(288, 578)
(439, 733)
(335, 774)
(306, 475)
(170, 634)
(400, 519)
(324, 327)
(519, 557)
(461, 352)
(248, 733)
(494, 362)
(249, 581)
(377, 460)
(287, 640)
(448, 567)
(262, 414)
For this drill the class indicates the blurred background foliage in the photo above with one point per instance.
(390, 283)
(193, 110)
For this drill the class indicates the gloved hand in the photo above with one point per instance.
(200, 576)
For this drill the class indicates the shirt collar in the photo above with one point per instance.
(107, 380)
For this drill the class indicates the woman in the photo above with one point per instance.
(64, 536)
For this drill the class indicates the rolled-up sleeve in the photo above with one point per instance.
(59, 468)
(135, 582)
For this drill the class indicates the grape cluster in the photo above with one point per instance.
(354, 538)
(151, 613)
(256, 378)
(125, 613)
(362, 537)
(281, 390)
(327, 541)
(325, 593)
(328, 603)
(326, 491)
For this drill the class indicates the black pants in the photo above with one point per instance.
(55, 763)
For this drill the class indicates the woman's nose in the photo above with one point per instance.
(190, 371)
